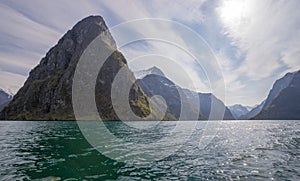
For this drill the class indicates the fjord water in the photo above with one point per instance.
(254, 150)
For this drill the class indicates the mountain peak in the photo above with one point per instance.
(47, 93)
(153, 70)
(238, 110)
(90, 23)
(279, 85)
(157, 71)
(90, 27)
(92, 18)
(249, 108)
(70, 47)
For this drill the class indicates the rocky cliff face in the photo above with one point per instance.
(47, 93)
(283, 100)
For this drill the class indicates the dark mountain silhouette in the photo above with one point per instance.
(283, 99)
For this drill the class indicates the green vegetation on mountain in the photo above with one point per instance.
(47, 93)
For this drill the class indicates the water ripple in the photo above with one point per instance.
(242, 150)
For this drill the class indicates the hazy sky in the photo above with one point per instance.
(255, 41)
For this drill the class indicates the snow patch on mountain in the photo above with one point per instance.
(143, 73)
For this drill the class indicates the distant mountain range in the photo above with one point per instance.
(47, 93)
(5, 98)
(239, 110)
(253, 112)
(281, 103)
(154, 82)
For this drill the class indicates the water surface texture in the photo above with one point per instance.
(246, 150)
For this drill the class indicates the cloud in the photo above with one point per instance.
(59, 16)
(11, 81)
(189, 13)
(176, 64)
(267, 34)
(19, 31)
(23, 43)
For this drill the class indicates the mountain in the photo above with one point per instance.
(47, 93)
(143, 73)
(5, 98)
(239, 110)
(283, 99)
(253, 112)
(206, 100)
(278, 86)
(153, 84)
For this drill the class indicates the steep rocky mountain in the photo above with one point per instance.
(160, 85)
(5, 98)
(238, 110)
(283, 99)
(47, 93)
(253, 111)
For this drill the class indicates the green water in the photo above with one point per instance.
(254, 150)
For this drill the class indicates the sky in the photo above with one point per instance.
(254, 42)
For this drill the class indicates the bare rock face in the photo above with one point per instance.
(47, 93)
